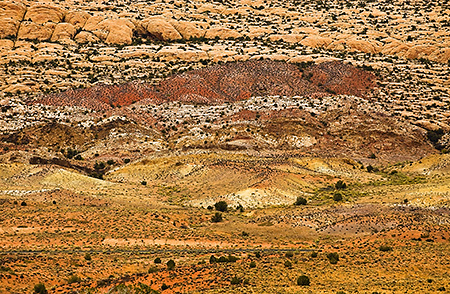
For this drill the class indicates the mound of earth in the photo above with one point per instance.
(225, 83)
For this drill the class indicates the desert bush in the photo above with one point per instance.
(143, 183)
(110, 162)
(258, 254)
(340, 185)
(300, 201)
(385, 248)
(157, 260)
(170, 264)
(289, 254)
(217, 217)
(337, 197)
(153, 269)
(303, 280)
(164, 287)
(87, 256)
(23, 203)
(221, 206)
(252, 264)
(333, 257)
(212, 259)
(314, 254)
(235, 280)
(39, 289)
(73, 279)
(126, 160)
(288, 264)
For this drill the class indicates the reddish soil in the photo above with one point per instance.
(225, 83)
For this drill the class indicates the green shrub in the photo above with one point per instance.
(87, 256)
(289, 254)
(40, 289)
(157, 260)
(126, 160)
(303, 280)
(235, 280)
(252, 264)
(340, 185)
(217, 217)
(288, 264)
(337, 197)
(221, 206)
(170, 264)
(300, 201)
(73, 279)
(212, 259)
(164, 287)
(153, 269)
(144, 183)
(314, 254)
(385, 248)
(333, 257)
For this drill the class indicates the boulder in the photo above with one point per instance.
(353, 45)
(316, 41)
(119, 31)
(222, 33)
(419, 51)
(290, 38)
(8, 28)
(63, 31)
(33, 31)
(77, 18)
(10, 17)
(394, 47)
(92, 22)
(441, 55)
(6, 45)
(13, 11)
(86, 37)
(158, 28)
(41, 14)
(187, 29)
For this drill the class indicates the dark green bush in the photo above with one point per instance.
(300, 201)
(73, 279)
(170, 264)
(340, 185)
(337, 197)
(289, 254)
(221, 206)
(288, 264)
(235, 280)
(157, 260)
(303, 280)
(333, 257)
(40, 289)
(164, 287)
(314, 254)
(385, 248)
(252, 264)
(217, 217)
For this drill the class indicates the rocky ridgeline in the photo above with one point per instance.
(375, 27)
(230, 82)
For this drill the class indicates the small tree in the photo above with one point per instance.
(221, 206)
(170, 264)
(333, 257)
(40, 289)
(217, 217)
(303, 280)
(337, 197)
(300, 201)
(340, 185)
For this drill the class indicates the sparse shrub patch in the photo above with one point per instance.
(303, 280)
